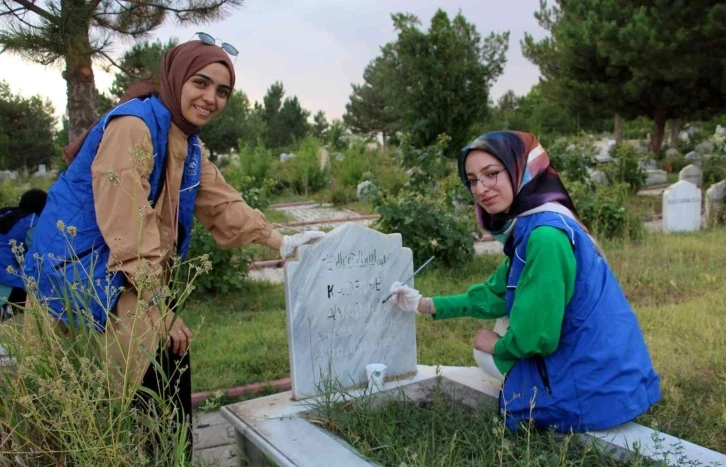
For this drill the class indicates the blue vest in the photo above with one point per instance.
(72, 273)
(601, 374)
(7, 258)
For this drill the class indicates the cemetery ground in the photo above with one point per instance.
(674, 282)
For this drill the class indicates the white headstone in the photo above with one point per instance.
(655, 177)
(720, 131)
(693, 174)
(604, 149)
(336, 322)
(714, 209)
(41, 169)
(682, 207)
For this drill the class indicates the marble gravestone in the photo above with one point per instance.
(336, 322)
(714, 206)
(682, 207)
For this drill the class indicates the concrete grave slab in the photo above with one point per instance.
(273, 431)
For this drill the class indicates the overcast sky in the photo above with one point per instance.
(317, 48)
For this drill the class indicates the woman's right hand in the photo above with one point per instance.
(179, 336)
(405, 297)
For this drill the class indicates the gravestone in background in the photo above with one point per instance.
(336, 322)
(714, 209)
(655, 177)
(682, 207)
(599, 178)
(693, 174)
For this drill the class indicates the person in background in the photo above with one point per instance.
(16, 226)
(126, 205)
(573, 357)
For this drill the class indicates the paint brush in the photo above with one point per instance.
(412, 276)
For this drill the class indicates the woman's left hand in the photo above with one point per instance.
(485, 340)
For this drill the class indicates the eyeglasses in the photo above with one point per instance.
(489, 180)
(209, 40)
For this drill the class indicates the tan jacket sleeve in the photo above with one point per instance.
(121, 190)
(223, 212)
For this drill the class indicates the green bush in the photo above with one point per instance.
(228, 267)
(575, 163)
(341, 195)
(625, 168)
(255, 161)
(429, 226)
(637, 128)
(10, 193)
(714, 167)
(674, 164)
(303, 174)
(423, 213)
(604, 210)
(427, 164)
(355, 162)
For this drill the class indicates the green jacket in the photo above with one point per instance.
(544, 289)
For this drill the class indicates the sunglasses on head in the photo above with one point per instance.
(210, 40)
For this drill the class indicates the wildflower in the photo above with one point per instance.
(10, 270)
(72, 231)
(113, 177)
(61, 225)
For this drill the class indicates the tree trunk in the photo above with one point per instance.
(618, 129)
(659, 122)
(80, 84)
(676, 125)
(385, 138)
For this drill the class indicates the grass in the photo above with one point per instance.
(278, 217)
(361, 207)
(674, 282)
(442, 431)
(645, 206)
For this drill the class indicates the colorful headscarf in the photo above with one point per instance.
(534, 181)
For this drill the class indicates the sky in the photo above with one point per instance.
(317, 48)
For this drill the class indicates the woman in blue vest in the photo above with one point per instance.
(16, 224)
(573, 357)
(121, 215)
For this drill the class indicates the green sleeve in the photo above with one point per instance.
(483, 301)
(543, 291)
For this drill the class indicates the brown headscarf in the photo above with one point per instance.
(178, 65)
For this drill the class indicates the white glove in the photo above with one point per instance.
(291, 242)
(405, 297)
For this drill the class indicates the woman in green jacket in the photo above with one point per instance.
(572, 356)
